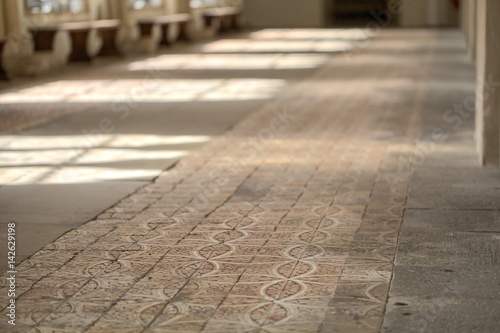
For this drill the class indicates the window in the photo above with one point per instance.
(202, 3)
(141, 4)
(55, 6)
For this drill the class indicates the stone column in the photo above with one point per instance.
(2, 21)
(472, 29)
(171, 6)
(183, 6)
(114, 9)
(488, 79)
(461, 17)
(465, 19)
(13, 13)
(122, 10)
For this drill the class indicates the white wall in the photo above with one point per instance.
(284, 13)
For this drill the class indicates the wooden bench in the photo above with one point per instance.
(3, 74)
(223, 15)
(43, 37)
(165, 21)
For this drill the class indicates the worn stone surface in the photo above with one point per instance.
(83, 139)
(289, 222)
(446, 274)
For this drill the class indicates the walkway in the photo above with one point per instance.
(352, 202)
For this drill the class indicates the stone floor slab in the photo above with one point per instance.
(317, 211)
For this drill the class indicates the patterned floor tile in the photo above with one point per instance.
(264, 229)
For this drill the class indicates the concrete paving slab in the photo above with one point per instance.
(469, 177)
(62, 200)
(442, 314)
(447, 267)
(44, 212)
(451, 194)
(474, 281)
(445, 220)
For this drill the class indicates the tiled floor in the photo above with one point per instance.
(288, 222)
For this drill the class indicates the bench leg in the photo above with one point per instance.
(183, 35)
(3, 74)
(208, 21)
(234, 22)
(222, 24)
(79, 40)
(109, 42)
(164, 34)
(146, 29)
(43, 40)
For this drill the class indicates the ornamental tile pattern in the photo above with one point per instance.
(286, 223)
